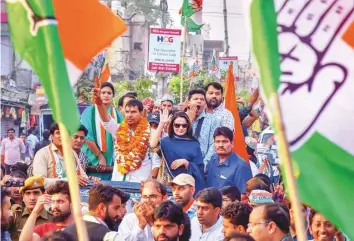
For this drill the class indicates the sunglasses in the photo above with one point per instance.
(179, 125)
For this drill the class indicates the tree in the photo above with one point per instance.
(141, 86)
(200, 79)
(149, 8)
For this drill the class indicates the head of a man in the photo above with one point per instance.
(106, 93)
(16, 176)
(235, 218)
(197, 98)
(108, 203)
(133, 112)
(183, 188)
(209, 202)
(153, 192)
(156, 108)
(11, 133)
(255, 184)
(168, 222)
(78, 139)
(269, 222)
(61, 202)
(23, 137)
(223, 141)
(5, 208)
(321, 228)
(167, 103)
(239, 237)
(214, 94)
(230, 194)
(55, 134)
(33, 188)
(46, 134)
(122, 102)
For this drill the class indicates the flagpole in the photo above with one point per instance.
(285, 158)
(73, 184)
(182, 61)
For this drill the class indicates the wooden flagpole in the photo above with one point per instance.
(285, 158)
(73, 183)
(182, 60)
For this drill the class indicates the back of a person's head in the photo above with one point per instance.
(20, 167)
(231, 192)
(211, 196)
(264, 178)
(256, 184)
(58, 236)
(279, 214)
(46, 134)
(239, 237)
(18, 174)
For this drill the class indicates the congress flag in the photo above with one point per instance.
(305, 54)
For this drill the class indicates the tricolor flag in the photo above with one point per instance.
(58, 39)
(305, 53)
(192, 11)
(231, 105)
(214, 69)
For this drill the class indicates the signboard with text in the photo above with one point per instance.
(164, 50)
(224, 63)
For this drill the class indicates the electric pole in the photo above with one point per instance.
(164, 9)
(226, 31)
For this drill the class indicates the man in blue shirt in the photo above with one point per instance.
(226, 168)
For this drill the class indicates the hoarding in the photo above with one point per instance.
(224, 63)
(164, 50)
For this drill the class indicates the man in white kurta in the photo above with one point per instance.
(150, 162)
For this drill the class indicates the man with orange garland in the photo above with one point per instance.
(135, 161)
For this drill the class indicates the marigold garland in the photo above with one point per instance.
(132, 149)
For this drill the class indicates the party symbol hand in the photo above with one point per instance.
(310, 73)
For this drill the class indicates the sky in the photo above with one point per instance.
(213, 15)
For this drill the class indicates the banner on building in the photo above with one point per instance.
(164, 50)
(224, 63)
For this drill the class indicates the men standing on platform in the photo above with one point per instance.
(99, 142)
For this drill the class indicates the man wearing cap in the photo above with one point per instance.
(154, 120)
(183, 188)
(33, 188)
(167, 103)
(260, 197)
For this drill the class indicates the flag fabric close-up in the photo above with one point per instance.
(55, 39)
(192, 10)
(305, 54)
(231, 105)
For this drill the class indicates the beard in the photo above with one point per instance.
(111, 223)
(61, 217)
(213, 104)
(174, 238)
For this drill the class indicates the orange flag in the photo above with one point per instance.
(231, 105)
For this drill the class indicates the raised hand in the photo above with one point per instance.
(313, 69)
(42, 200)
(96, 99)
(164, 116)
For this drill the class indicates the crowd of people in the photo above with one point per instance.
(187, 148)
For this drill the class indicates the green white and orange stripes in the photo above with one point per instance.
(58, 39)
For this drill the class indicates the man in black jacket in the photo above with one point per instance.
(106, 207)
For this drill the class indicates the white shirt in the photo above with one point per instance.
(254, 168)
(129, 230)
(214, 233)
(150, 161)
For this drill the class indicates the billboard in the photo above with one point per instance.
(164, 50)
(224, 63)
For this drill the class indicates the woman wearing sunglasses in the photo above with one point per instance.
(180, 151)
